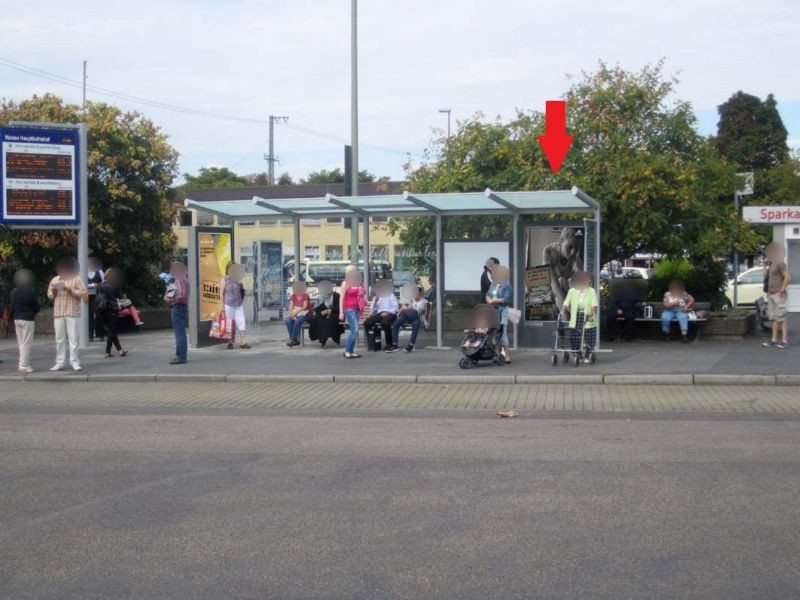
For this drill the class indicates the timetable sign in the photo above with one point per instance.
(39, 175)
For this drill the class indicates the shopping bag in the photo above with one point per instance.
(514, 315)
(220, 328)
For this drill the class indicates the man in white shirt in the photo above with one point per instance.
(414, 314)
(384, 309)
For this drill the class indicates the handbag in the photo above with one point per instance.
(514, 315)
(692, 315)
(220, 328)
(123, 303)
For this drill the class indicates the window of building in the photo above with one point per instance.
(185, 218)
(379, 219)
(311, 252)
(311, 222)
(205, 219)
(246, 223)
(334, 220)
(223, 221)
(379, 252)
(334, 252)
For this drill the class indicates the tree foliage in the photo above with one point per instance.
(337, 176)
(131, 167)
(215, 177)
(751, 133)
(662, 186)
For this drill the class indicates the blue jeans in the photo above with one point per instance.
(666, 318)
(351, 316)
(410, 316)
(293, 326)
(179, 313)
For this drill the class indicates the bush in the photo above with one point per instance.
(704, 280)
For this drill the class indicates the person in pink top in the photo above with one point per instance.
(353, 302)
(299, 304)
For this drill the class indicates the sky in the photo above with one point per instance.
(252, 59)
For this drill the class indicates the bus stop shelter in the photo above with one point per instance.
(408, 204)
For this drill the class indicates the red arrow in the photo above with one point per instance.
(555, 142)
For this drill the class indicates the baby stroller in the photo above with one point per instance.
(567, 338)
(480, 340)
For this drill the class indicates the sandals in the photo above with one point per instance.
(244, 346)
(354, 355)
(123, 353)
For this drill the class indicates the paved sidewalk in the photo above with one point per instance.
(150, 353)
(527, 399)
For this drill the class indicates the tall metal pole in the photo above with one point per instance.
(736, 259)
(271, 165)
(448, 111)
(354, 134)
(439, 284)
(83, 232)
(83, 105)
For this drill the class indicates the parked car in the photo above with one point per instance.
(751, 287)
(632, 272)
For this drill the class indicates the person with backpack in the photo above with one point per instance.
(106, 307)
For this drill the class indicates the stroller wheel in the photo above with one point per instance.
(465, 363)
(593, 358)
(554, 360)
(576, 360)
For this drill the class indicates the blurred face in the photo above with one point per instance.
(675, 288)
(178, 270)
(580, 281)
(23, 278)
(384, 288)
(94, 264)
(299, 288)
(353, 277)
(66, 270)
(774, 252)
(500, 274)
(236, 272)
(113, 276)
(325, 288)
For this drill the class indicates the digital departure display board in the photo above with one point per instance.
(38, 175)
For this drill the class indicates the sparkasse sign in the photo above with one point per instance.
(771, 214)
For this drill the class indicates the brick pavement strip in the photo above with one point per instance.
(194, 394)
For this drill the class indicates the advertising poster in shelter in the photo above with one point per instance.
(553, 255)
(215, 253)
(269, 275)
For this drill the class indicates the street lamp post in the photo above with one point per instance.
(448, 111)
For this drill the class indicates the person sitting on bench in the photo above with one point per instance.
(412, 313)
(626, 299)
(384, 310)
(677, 304)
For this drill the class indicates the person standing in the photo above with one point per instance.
(177, 297)
(486, 276)
(67, 291)
(24, 307)
(500, 296)
(233, 300)
(353, 301)
(777, 280)
(109, 293)
(95, 277)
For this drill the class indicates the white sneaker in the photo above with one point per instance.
(25, 370)
(77, 368)
(57, 368)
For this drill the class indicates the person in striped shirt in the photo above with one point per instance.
(67, 291)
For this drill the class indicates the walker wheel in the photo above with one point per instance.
(554, 360)
(576, 360)
(593, 358)
(566, 357)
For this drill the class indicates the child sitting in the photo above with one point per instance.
(581, 305)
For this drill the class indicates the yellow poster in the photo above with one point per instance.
(215, 254)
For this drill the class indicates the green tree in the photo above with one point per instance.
(285, 179)
(750, 132)
(662, 186)
(215, 177)
(131, 167)
(337, 176)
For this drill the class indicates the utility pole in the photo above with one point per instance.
(354, 136)
(83, 105)
(271, 158)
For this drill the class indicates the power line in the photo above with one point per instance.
(10, 64)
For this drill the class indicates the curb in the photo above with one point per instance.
(717, 379)
(559, 379)
(714, 379)
(648, 379)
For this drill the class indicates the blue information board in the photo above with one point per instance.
(39, 176)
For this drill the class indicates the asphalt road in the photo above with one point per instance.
(409, 504)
